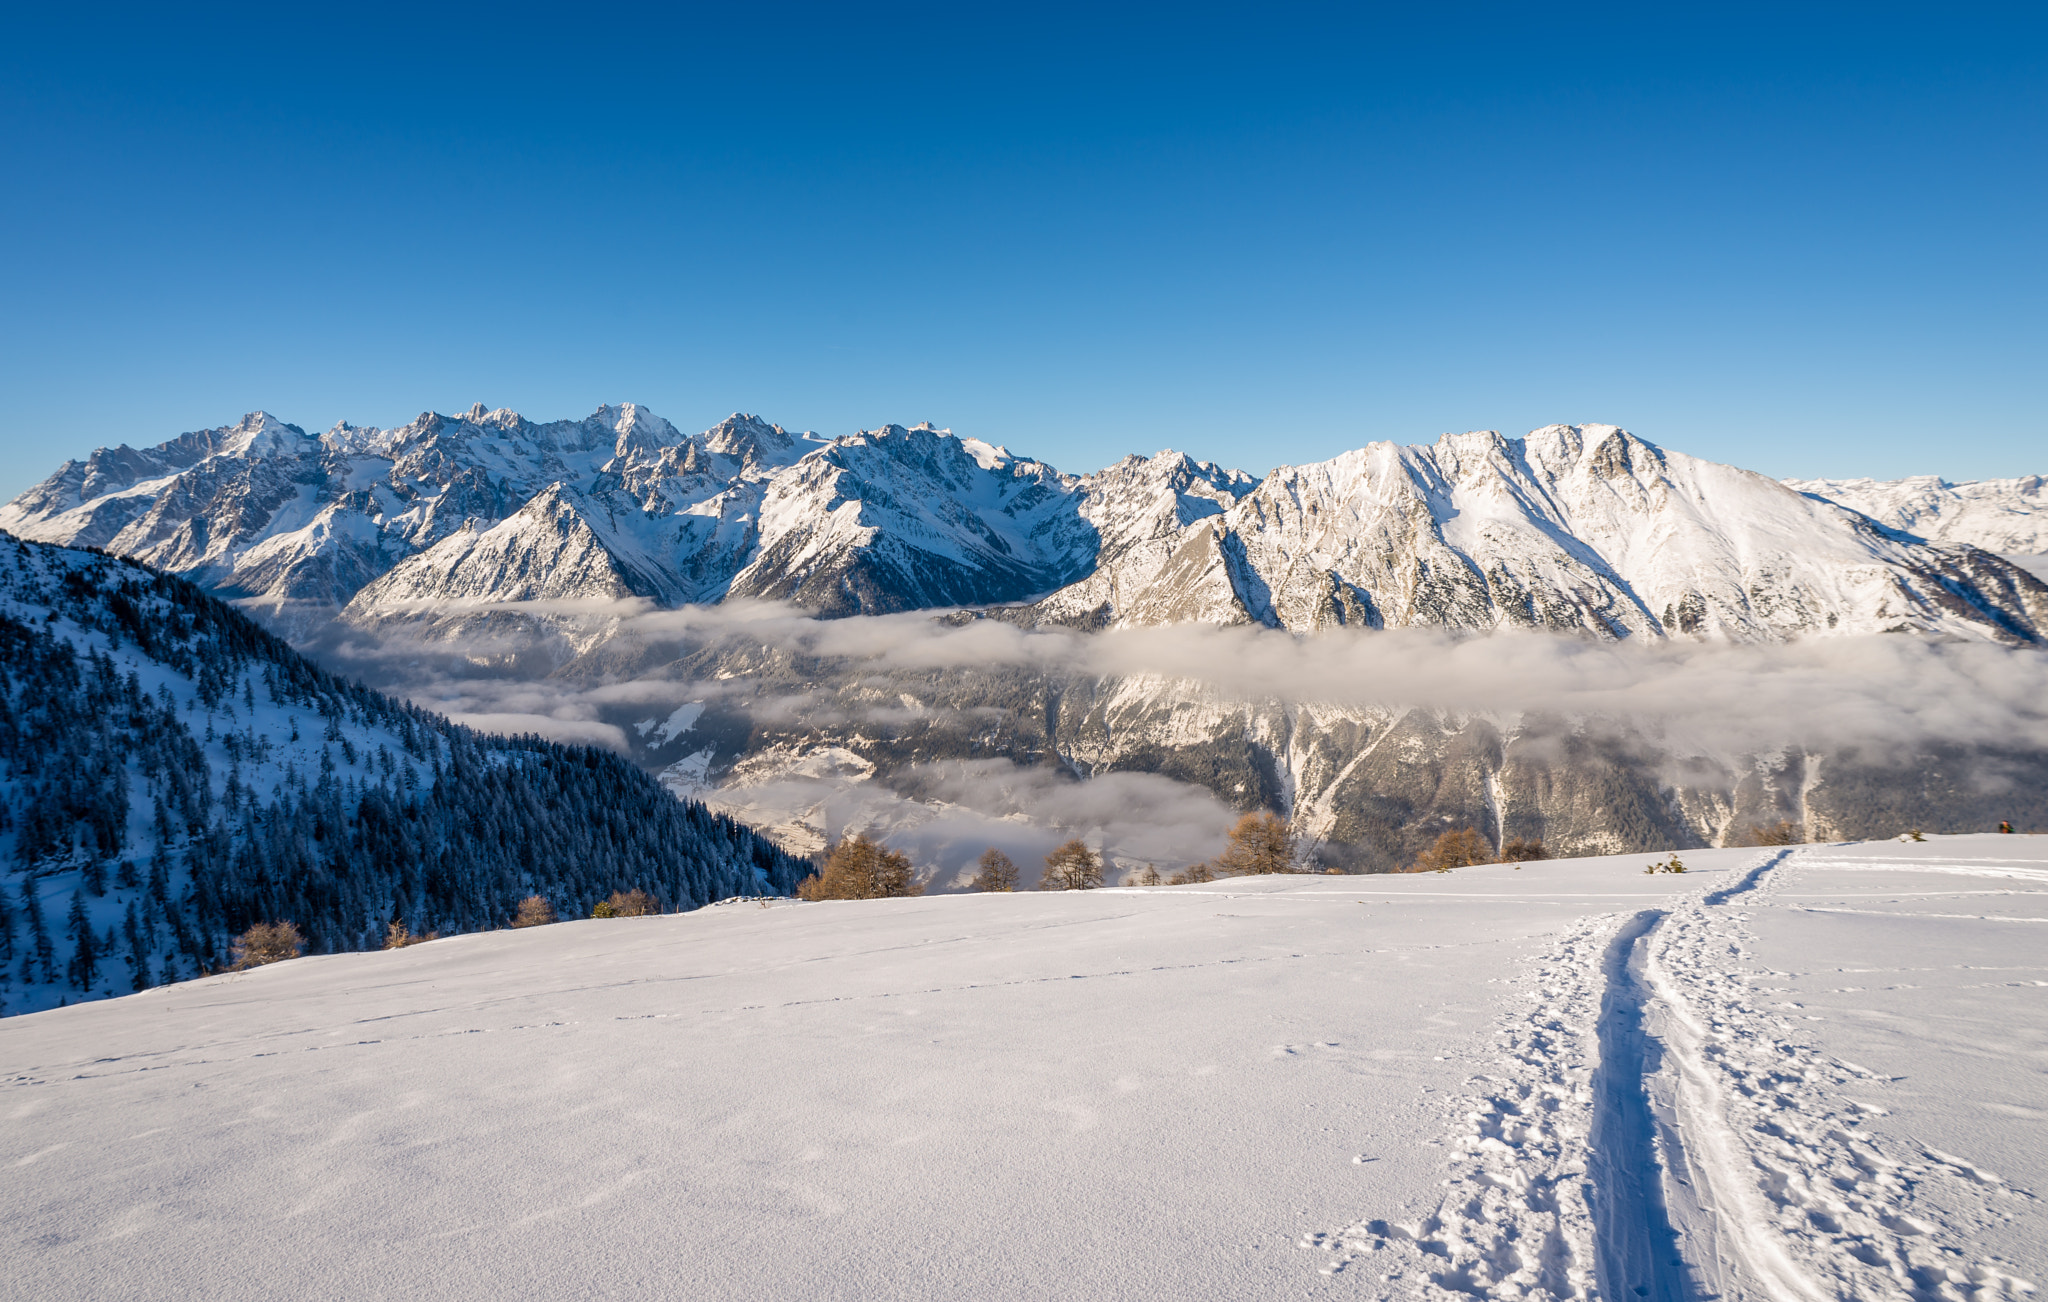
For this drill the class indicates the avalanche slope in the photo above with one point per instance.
(1797, 1074)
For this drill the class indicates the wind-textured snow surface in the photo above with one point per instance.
(1799, 1073)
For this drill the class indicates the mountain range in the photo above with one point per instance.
(519, 546)
(1580, 528)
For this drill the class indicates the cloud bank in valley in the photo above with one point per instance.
(1726, 697)
(1884, 695)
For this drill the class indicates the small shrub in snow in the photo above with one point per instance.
(1519, 852)
(1782, 832)
(267, 942)
(534, 912)
(1457, 849)
(635, 903)
(1194, 872)
(398, 936)
(1672, 865)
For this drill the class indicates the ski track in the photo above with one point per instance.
(1651, 1130)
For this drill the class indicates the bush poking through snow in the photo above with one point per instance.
(398, 936)
(1459, 849)
(534, 912)
(635, 903)
(861, 868)
(1259, 844)
(1782, 832)
(1519, 852)
(1672, 865)
(1194, 872)
(998, 872)
(266, 942)
(1072, 867)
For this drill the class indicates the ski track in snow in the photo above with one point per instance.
(1652, 1129)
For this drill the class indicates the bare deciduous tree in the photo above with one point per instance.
(1072, 867)
(1459, 849)
(635, 903)
(861, 868)
(1259, 844)
(998, 872)
(267, 942)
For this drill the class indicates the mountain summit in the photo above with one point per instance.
(1583, 528)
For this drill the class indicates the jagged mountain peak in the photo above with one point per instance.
(1584, 527)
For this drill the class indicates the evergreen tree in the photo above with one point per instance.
(84, 969)
(41, 949)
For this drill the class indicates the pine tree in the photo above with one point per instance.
(138, 949)
(1072, 867)
(998, 872)
(41, 949)
(84, 969)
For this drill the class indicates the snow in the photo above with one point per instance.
(1796, 1074)
(1999, 515)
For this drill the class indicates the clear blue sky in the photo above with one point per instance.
(1810, 240)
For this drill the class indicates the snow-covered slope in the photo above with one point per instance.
(1584, 528)
(1581, 528)
(1794, 1075)
(1999, 515)
(171, 774)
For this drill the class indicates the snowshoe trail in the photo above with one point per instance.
(1653, 1130)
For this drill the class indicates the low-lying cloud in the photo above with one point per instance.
(1824, 691)
(871, 676)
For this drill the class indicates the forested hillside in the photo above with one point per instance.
(171, 774)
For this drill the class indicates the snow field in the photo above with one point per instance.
(1661, 1125)
(1569, 1080)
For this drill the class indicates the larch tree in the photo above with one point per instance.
(1259, 844)
(998, 872)
(1072, 867)
(1457, 849)
(861, 868)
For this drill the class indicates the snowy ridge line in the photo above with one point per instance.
(1782, 1192)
